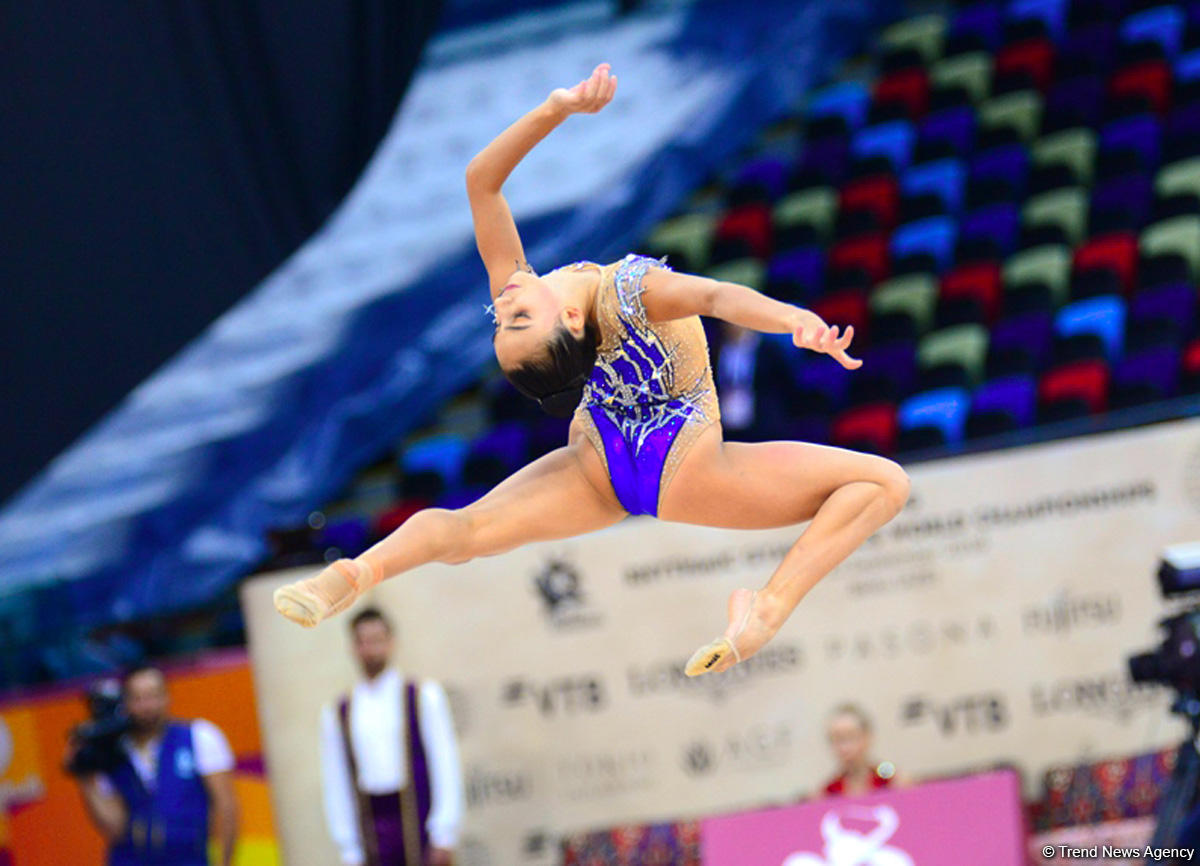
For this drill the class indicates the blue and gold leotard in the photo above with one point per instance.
(651, 391)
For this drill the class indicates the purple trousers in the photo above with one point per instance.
(389, 830)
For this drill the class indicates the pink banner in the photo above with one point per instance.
(976, 820)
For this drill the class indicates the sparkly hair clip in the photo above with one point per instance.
(490, 310)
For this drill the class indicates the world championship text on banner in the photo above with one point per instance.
(989, 623)
(976, 820)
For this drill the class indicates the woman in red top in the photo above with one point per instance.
(858, 772)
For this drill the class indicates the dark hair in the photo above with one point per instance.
(142, 668)
(556, 379)
(370, 614)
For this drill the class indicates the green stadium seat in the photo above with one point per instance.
(964, 345)
(1179, 177)
(746, 272)
(689, 235)
(1179, 235)
(923, 33)
(1067, 207)
(1048, 263)
(1074, 148)
(913, 294)
(816, 206)
(971, 71)
(1021, 110)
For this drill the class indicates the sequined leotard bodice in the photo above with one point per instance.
(651, 391)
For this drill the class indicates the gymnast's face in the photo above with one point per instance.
(849, 739)
(529, 308)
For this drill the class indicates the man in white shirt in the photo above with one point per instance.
(392, 782)
(171, 783)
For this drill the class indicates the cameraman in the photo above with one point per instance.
(164, 782)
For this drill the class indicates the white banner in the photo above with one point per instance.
(989, 623)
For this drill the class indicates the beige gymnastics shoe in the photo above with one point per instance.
(313, 599)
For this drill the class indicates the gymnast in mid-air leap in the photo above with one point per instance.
(620, 348)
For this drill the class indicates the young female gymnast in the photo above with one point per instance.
(621, 347)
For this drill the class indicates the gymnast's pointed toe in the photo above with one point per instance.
(709, 657)
(307, 602)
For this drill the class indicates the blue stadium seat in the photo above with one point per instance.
(945, 178)
(1015, 395)
(893, 139)
(982, 20)
(955, 125)
(1053, 14)
(1187, 66)
(1000, 222)
(1162, 24)
(933, 236)
(441, 454)
(944, 408)
(1141, 133)
(1103, 316)
(848, 100)
(1008, 162)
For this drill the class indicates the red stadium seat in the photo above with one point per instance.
(751, 222)
(390, 520)
(844, 308)
(980, 281)
(910, 87)
(1191, 357)
(879, 193)
(868, 252)
(1151, 79)
(1085, 380)
(874, 423)
(1116, 250)
(1035, 56)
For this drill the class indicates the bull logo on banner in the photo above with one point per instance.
(847, 847)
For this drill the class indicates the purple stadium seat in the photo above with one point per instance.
(1077, 100)
(1175, 302)
(1131, 194)
(828, 158)
(953, 125)
(823, 376)
(1030, 332)
(508, 441)
(1016, 395)
(1089, 47)
(768, 172)
(1008, 162)
(999, 222)
(897, 361)
(805, 265)
(1157, 366)
(1141, 133)
(983, 20)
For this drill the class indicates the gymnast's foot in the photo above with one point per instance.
(753, 621)
(313, 599)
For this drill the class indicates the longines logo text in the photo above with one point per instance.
(559, 586)
(916, 638)
(754, 748)
(603, 773)
(1112, 695)
(1067, 612)
(983, 713)
(667, 677)
(486, 787)
(584, 693)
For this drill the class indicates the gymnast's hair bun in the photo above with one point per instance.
(561, 404)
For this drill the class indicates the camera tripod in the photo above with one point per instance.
(1180, 797)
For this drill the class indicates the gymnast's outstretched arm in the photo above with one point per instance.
(495, 231)
(674, 295)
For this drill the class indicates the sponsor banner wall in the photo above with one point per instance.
(43, 819)
(989, 623)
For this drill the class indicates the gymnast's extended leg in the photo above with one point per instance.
(562, 494)
(846, 495)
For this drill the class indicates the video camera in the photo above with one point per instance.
(99, 737)
(1176, 662)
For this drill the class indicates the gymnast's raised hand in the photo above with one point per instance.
(619, 348)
